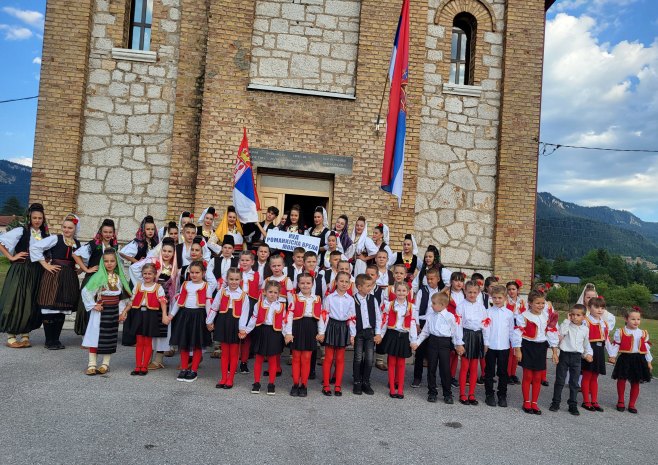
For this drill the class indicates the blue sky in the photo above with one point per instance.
(600, 89)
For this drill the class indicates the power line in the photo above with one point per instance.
(18, 99)
(548, 148)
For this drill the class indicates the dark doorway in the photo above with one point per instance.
(307, 204)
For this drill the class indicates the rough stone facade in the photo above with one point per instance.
(309, 44)
(161, 137)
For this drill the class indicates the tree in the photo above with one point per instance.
(12, 206)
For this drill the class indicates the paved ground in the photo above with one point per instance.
(52, 413)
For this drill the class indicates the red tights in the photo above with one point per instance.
(244, 349)
(331, 354)
(185, 358)
(468, 367)
(272, 367)
(512, 363)
(396, 368)
(590, 387)
(229, 363)
(301, 366)
(143, 352)
(621, 390)
(93, 350)
(531, 377)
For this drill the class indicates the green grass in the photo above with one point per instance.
(4, 267)
(651, 326)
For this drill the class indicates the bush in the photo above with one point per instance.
(558, 294)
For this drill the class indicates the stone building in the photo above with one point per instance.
(142, 105)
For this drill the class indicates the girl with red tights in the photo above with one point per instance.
(399, 331)
(457, 296)
(190, 310)
(301, 331)
(538, 332)
(224, 320)
(336, 329)
(472, 319)
(632, 358)
(516, 305)
(598, 339)
(266, 326)
(149, 309)
(251, 284)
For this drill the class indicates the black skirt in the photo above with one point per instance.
(473, 344)
(226, 328)
(81, 314)
(19, 312)
(337, 333)
(633, 367)
(108, 333)
(304, 331)
(597, 365)
(60, 291)
(533, 355)
(266, 342)
(144, 322)
(396, 343)
(190, 331)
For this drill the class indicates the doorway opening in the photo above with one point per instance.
(307, 203)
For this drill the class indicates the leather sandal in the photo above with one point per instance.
(155, 366)
(25, 343)
(91, 371)
(101, 370)
(14, 345)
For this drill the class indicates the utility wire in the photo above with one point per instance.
(18, 99)
(547, 148)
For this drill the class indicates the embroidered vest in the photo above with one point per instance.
(298, 307)
(201, 295)
(393, 316)
(595, 332)
(372, 317)
(225, 304)
(626, 343)
(148, 299)
(277, 321)
(253, 286)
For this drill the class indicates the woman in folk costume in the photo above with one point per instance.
(409, 257)
(146, 239)
(184, 218)
(167, 277)
(206, 229)
(230, 225)
(363, 248)
(59, 292)
(88, 258)
(19, 313)
(104, 293)
(432, 260)
(588, 293)
(381, 238)
(342, 233)
(320, 228)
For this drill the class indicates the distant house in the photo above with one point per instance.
(565, 279)
(4, 221)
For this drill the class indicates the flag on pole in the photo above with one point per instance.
(245, 198)
(396, 120)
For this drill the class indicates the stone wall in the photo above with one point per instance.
(127, 144)
(455, 204)
(306, 44)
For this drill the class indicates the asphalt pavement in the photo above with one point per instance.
(53, 414)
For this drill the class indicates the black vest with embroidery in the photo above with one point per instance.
(370, 301)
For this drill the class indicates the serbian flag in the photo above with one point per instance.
(245, 198)
(396, 121)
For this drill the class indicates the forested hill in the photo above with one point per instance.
(14, 182)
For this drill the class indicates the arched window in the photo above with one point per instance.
(464, 28)
(141, 18)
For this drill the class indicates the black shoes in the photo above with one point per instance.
(464, 401)
(357, 389)
(588, 407)
(431, 398)
(555, 407)
(338, 392)
(181, 375)
(367, 389)
(490, 400)
(574, 410)
(502, 401)
(327, 392)
(448, 400)
(480, 381)
(454, 382)
(244, 368)
(191, 376)
(255, 388)
(303, 392)
(597, 407)
(632, 410)
(294, 392)
(415, 383)
(545, 383)
(473, 401)
(311, 375)
(271, 390)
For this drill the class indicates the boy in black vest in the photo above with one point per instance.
(225, 260)
(368, 333)
(421, 307)
(297, 266)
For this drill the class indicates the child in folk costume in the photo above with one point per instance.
(398, 333)
(318, 289)
(432, 260)
(250, 283)
(184, 218)
(166, 266)
(385, 276)
(19, 312)
(262, 262)
(363, 248)
(230, 303)
(368, 334)
(184, 249)
(336, 330)
(266, 323)
(341, 231)
(301, 330)
(599, 340)
(278, 275)
(169, 230)
(632, 357)
(226, 260)
(58, 292)
(380, 236)
(297, 266)
(149, 309)
(231, 226)
(442, 332)
(197, 254)
(88, 258)
(500, 338)
(423, 307)
(294, 224)
(191, 308)
(456, 294)
(517, 305)
(146, 239)
(589, 292)
(409, 257)
(257, 232)
(538, 331)
(332, 251)
(104, 293)
(473, 320)
(574, 346)
(543, 288)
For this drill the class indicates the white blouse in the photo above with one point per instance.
(11, 238)
(401, 310)
(233, 296)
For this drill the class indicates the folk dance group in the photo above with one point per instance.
(189, 285)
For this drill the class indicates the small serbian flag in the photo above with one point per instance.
(396, 121)
(245, 198)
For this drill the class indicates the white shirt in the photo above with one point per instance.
(575, 338)
(440, 324)
(543, 333)
(401, 311)
(233, 296)
(226, 264)
(272, 309)
(309, 302)
(382, 279)
(500, 329)
(340, 308)
(365, 318)
(457, 297)
(287, 289)
(191, 298)
(637, 335)
(472, 315)
(419, 298)
(11, 238)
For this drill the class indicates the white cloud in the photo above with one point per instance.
(32, 18)
(36, 60)
(25, 161)
(15, 32)
(599, 94)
